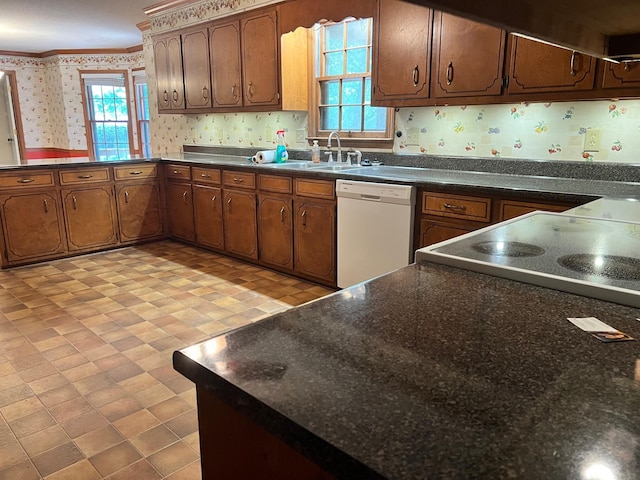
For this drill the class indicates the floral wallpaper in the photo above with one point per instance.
(540, 131)
(50, 95)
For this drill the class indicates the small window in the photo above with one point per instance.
(342, 86)
(107, 114)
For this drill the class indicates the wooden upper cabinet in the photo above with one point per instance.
(468, 57)
(401, 53)
(621, 75)
(260, 66)
(168, 62)
(226, 79)
(197, 75)
(538, 67)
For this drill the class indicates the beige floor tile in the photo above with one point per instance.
(82, 470)
(97, 441)
(57, 458)
(172, 458)
(44, 440)
(136, 423)
(114, 458)
(22, 471)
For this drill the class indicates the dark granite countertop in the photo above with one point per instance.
(436, 372)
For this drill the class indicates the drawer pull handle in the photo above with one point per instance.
(205, 175)
(304, 218)
(85, 176)
(75, 202)
(176, 172)
(448, 206)
(165, 97)
(626, 66)
(175, 95)
(238, 180)
(135, 172)
(572, 64)
(282, 214)
(184, 196)
(229, 204)
(126, 197)
(205, 93)
(250, 90)
(46, 206)
(213, 201)
(416, 76)
(450, 73)
(26, 180)
(233, 91)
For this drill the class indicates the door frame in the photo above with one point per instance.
(17, 117)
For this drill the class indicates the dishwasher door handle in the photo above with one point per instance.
(370, 197)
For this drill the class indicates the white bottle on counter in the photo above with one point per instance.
(315, 152)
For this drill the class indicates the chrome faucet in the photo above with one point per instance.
(334, 133)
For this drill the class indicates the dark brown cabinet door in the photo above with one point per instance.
(180, 211)
(621, 75)
(197, 77)
(260, 66)
(538, 67)
(401, 49)
(207, 210)
(240, 232)
(434, 231)
(468, 57)
(226, 80)
(315, 239)
(169, 80)
(90, 218)
(163, 84)
(33, 226)
(275, 232)
(139, 211)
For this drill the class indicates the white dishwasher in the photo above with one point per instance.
(375, 229)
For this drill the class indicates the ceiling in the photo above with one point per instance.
(36, 26)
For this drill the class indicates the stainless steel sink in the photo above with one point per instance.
(290, 165)
(334, 167)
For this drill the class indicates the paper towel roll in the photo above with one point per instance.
(265, 156)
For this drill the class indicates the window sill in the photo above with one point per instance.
(356, 143)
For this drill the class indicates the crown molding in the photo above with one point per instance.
(163, 7)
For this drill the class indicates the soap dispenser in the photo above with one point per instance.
(281, 150)
(315, 152)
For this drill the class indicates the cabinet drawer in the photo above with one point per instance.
(239, 179)
(206, 175)
(457, 206)
(306, 187)
(35, 178)
(84, 175)
(134, 172)
(275, 183)
(511, 209)
(178, 172)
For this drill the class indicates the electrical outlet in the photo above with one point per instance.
(301, 135)
(413, 136)
(592, 140)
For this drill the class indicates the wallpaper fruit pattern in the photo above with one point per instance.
(539, 131)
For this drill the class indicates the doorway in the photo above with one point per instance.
(11, 138)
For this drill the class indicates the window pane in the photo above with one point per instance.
(329, 118)
(334, 37)
(334, 63)
(330, 93)
(358, 33)
(375, 119)
(352, 92)
(357, 60)
(351, 118)
(122, 135)
(367, 90)
(98, 133)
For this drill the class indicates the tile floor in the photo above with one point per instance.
(87, 390)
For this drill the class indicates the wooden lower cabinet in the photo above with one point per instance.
(513, 208)
(90, 217)
(207, 211)
(180, 211)
(33, 226)
(139, 213)
(434, 231)
(314, 241)
(240, 223)
(275, 230)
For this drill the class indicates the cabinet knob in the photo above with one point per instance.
(175, 95)
(205, 93)
(165, 96)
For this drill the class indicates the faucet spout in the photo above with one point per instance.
(331, 135)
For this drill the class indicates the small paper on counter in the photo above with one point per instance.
(600, 330)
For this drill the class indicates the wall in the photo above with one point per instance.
(50, 95)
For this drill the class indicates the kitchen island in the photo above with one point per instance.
(427, 372)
